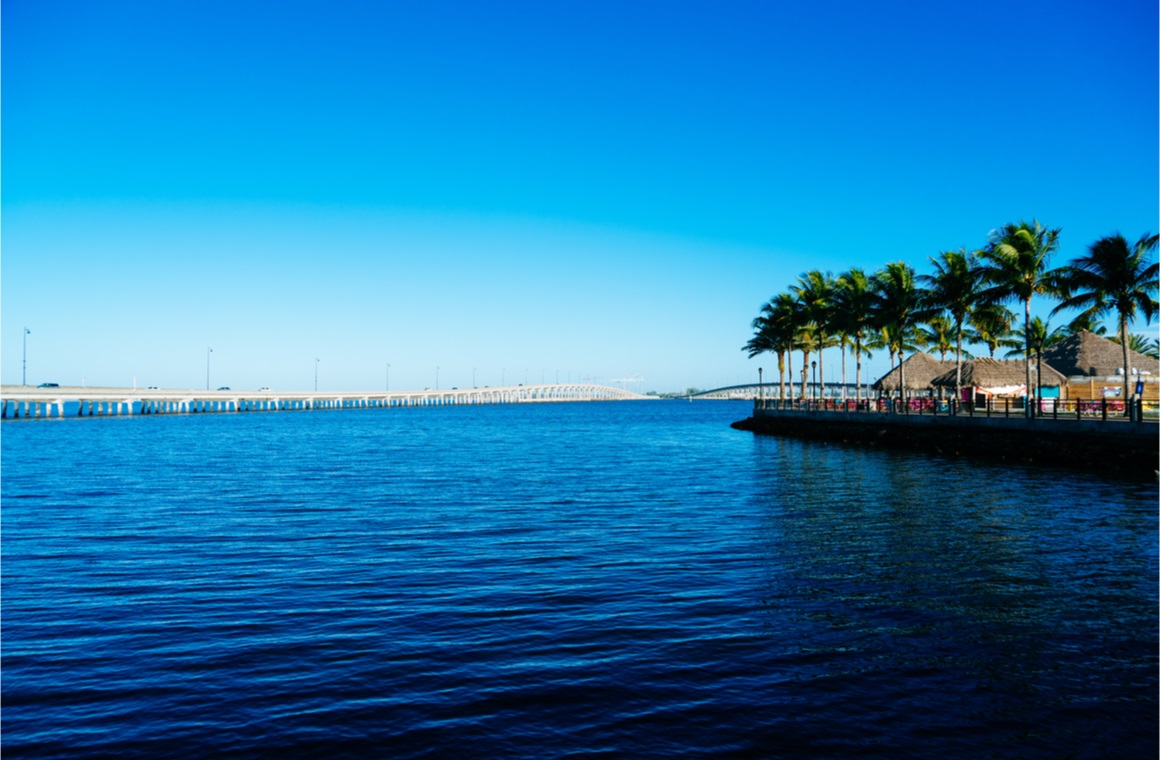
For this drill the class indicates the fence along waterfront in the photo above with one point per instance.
(1137, 410)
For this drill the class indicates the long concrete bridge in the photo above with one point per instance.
(24, 402)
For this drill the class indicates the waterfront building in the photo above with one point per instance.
(987, 379)
(1094, 367)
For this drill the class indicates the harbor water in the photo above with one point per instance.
(580, 580)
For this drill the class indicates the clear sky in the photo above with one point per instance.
(526, 190)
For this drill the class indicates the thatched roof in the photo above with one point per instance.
(920, 370)
(995, 373)
(1088, 354)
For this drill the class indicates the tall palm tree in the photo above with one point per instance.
(775, 330)
(814, 291)
(899, 308)
(1015, 264)
(853, 311)
(990, 326)
(955, 286)
(1040, 339)
(1113, 277)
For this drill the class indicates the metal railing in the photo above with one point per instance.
(1112, 410)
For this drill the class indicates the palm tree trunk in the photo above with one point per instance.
(1127, 358)
(843, 372)
(857, 369)
(781, 376)
(1027, 357)
(805, 372)
(902, 375)
(821, 367)
(789, 371)
(959, 362)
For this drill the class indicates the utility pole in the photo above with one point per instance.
(24, 375)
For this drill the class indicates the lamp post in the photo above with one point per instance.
(473, 378)
(814, 386)
(208, 351)
(316, 361)
(760, 390)
(24, 373)
(503, 376)
(436, 377)
(388, 375)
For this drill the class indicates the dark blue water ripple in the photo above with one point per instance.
(589, 580)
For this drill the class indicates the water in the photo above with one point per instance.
(567, 580)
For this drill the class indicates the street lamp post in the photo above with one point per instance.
(814, 388)
(388, 375)
(473, 378)
(436, 377)
(316, 361)
(208, 351)
(760, 390)
(24, 374)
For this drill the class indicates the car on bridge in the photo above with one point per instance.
(49, 385)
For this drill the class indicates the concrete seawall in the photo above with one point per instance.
(1119, 447)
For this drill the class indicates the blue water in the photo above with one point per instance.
(561, 580)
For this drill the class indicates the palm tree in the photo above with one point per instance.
(814, 291)
(1089, 323)
(1038, 341)
(899, 308)
(937, 332)
(775, 330)
(991, 327)
(1015, 264)
(853, 312)
(1113, 277)
(955, 286)
(1149, 346)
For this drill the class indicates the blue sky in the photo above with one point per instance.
(526, 190)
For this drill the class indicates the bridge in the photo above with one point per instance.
(770, 390)
(18, 401)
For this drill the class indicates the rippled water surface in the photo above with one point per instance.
(562, 580)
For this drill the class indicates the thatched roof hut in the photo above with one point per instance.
(921, 369)
(996, 373)
(1090, 355)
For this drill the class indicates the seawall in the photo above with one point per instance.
(1113, 447)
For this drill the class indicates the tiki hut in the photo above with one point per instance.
(921, 369)
(983, 378)
(1095, 367)
(1089, 355)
